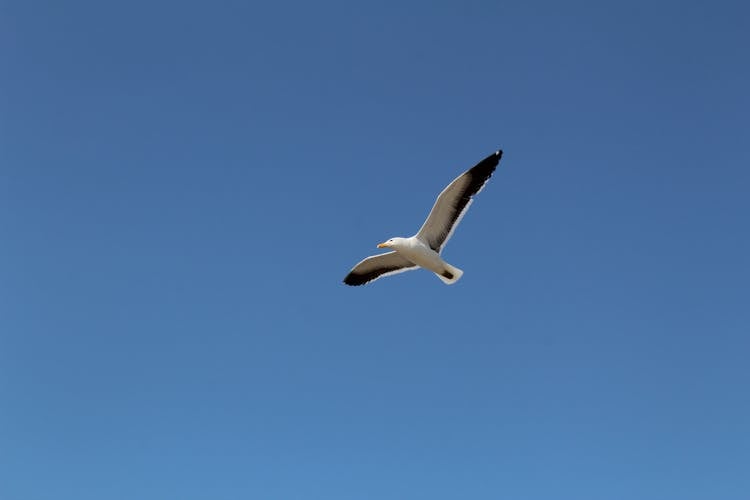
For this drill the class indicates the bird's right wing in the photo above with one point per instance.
(377, 266)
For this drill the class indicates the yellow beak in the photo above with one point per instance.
(382, 245)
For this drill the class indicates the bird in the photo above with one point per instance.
(424, 248)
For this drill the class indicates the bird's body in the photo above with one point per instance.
(420, 253)
(424, 248)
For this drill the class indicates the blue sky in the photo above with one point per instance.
(184, 185)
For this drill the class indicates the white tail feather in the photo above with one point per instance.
(455, 273)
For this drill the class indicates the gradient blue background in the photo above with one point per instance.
(183, 185)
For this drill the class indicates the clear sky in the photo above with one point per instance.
(184, 185)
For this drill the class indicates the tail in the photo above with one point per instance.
(450, 274)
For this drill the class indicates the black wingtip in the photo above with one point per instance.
(352, 280)
(491, 161)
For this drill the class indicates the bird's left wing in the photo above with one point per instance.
(454, 200)
(377, 266)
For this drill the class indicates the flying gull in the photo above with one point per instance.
(423, 249)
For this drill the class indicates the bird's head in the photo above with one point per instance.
(388, 244)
